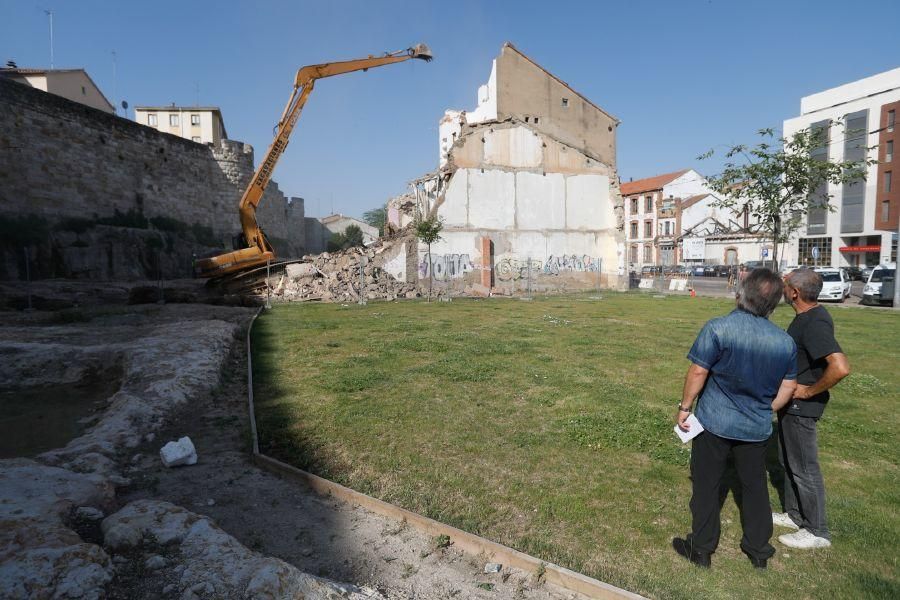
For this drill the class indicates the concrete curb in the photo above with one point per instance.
(464, 541)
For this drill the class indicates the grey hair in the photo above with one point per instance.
(760, 292)
(807, 282)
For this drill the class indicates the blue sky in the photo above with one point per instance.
(681, 76)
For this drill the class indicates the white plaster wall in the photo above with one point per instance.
(455, 209)
(517, 147)
(541, 200)
(492, 199)
(688, 184)
(588, 205)
(747, 250)
(396, 265)
(487, 100)
(449, 130)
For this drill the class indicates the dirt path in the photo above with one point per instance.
(285, 519)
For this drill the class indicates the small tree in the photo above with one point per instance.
(428, 231)
(376, 217)
(779, 180)
(350, 238)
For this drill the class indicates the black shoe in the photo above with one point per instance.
(758, 563)
(682, 547)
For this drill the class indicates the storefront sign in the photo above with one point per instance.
(860, 249)
(693, 248)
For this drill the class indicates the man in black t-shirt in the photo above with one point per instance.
(820, 365)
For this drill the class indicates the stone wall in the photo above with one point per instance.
(61, 161)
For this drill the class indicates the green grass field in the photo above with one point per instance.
(547, 426)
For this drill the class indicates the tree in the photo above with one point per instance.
(780, 180)
(350, 238)
(376, 217)
(428, 231)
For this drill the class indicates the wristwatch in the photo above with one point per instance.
(683, 409)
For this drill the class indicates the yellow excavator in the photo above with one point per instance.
(255, 250)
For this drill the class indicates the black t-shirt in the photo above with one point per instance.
(813, 332)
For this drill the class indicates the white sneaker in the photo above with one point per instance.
(803, 539)
(784, 520)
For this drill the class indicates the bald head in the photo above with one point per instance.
(807, 282)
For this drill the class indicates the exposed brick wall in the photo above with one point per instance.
(61, 159)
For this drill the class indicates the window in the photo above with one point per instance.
(195, 119)
(806, 246)
(634, 203)
(173, 120)
(889, 151)
(885, 210)
(633, 229)
(565, 103)
(648, 229)
(151, 120)
(817, 214)
(634, 254)
(853, 192)
(648, 204)
(668, 224)
(887, 181)
(526, 119)
(195, 138)
(648, 253)
(83, 91)
(890, 123)
(535, 120)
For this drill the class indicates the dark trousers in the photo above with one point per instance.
(804, 488)
(709, 455)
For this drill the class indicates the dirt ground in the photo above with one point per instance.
(284, 519)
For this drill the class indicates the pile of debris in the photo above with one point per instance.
(340, 277)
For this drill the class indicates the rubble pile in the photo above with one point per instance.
(335, 277)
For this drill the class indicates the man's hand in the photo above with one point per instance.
(802, 392)
(680, 418)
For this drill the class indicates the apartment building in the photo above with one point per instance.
(201, 124)
(652, 222)
(859, 119)
(72, 84)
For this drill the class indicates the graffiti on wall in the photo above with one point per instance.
(571, 262)
(514, 269)
(446, 266)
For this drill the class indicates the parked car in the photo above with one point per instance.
(854, 273)
(867, 272)
(697, 270)
(650, 271)
(724, 270)
(709, 271)
(835, 284)
(872, 292)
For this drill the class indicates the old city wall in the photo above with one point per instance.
(63, 163)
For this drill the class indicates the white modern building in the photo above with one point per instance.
(859, 118)
(201, 124)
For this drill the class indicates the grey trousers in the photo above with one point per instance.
(804, 488)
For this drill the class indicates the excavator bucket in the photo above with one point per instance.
(421, 51)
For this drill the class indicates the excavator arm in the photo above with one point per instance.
(258, 250)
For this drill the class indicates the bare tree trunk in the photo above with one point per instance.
(430, 272)
(775, 235)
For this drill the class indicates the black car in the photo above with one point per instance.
(723, 270)
(709, 271)
(854, 273)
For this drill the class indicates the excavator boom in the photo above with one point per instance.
(258, 250)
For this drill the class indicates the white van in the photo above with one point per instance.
(835, 284)
(872, 291)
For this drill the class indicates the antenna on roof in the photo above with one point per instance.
(49, 13)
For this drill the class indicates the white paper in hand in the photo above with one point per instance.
(694, 431)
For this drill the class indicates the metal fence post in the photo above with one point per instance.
(362, 280)
(268, 289)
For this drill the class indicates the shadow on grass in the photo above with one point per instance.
(302, 451)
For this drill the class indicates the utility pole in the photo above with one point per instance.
(49, 13)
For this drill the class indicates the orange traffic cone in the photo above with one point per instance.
(693, 293)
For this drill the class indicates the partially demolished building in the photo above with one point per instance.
(527, 190)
